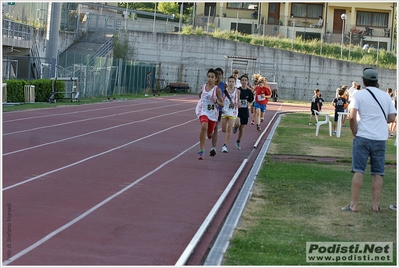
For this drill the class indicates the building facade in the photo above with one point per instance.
(363, 22)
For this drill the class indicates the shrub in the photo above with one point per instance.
(43, 88)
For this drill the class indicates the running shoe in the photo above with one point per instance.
(212, 152)
(258, 127)
(262, 119)
(393, 207)
(253, 122)
(310, 124)
(224, 149)
(234, 130)
(201, 155)
(238, 147)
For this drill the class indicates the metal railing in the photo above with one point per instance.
(16, 30)
(105, 48)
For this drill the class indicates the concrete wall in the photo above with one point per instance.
(186, 58)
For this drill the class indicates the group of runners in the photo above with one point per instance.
(230, 104)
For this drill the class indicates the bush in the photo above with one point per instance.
(15, 89)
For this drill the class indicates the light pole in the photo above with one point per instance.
(343, 17)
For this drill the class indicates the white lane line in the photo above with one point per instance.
(81, 111)
(74, 112)
(88, 119)
(90, 133)
(94, 156)
(204, 226)
(52, 234)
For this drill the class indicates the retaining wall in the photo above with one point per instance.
(186, 58)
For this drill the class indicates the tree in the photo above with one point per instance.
(168, 7)
(122, 49)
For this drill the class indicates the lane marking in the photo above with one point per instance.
(89, 133)
(200, 232)
(80, 111)
(87, 119)
(62, 228)
(95, 156)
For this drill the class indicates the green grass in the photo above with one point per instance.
(296, 202)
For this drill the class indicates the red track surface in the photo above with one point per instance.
(114, 183)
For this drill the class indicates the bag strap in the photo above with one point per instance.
(372, 94)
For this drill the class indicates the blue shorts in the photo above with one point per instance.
(363, 149)
(262, 107)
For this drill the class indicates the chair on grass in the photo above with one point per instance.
(319, 123)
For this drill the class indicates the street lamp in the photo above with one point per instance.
(343, 17)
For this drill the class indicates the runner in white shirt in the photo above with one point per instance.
(230, 110)
(207, 109)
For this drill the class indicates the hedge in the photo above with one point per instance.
(15, 89)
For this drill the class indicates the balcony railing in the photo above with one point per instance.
(16, 30)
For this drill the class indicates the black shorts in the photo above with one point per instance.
(243, 114)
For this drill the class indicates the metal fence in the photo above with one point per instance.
(104, 76)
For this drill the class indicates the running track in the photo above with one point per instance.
(115, 183)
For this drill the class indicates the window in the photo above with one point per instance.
(372, 19)
(242, 5)
(312, 11)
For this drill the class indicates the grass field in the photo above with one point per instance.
(297, 198)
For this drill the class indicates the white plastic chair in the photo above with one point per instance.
(319, 123)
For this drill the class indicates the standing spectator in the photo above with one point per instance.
(262, 94)
(148, 79)
(352, 90)
(346, 96)
(370, 110)
(230, 110)
(236, 75)
(207, 110)
(340, 103)
(246, 98)
(315, 104)
(392, 126)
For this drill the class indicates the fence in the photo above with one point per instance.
(102, 76)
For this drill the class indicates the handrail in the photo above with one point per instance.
(16, 30)
(105, 48)
(141, 12)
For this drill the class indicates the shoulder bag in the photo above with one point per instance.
(372, 94)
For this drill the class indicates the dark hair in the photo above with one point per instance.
(341, 91)
(219, 70)
(231, 76)
(211, 70)
(244, 75)
(370, 83)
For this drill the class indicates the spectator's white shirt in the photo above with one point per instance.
(351, 91)
(371, 123)
(238, 83)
